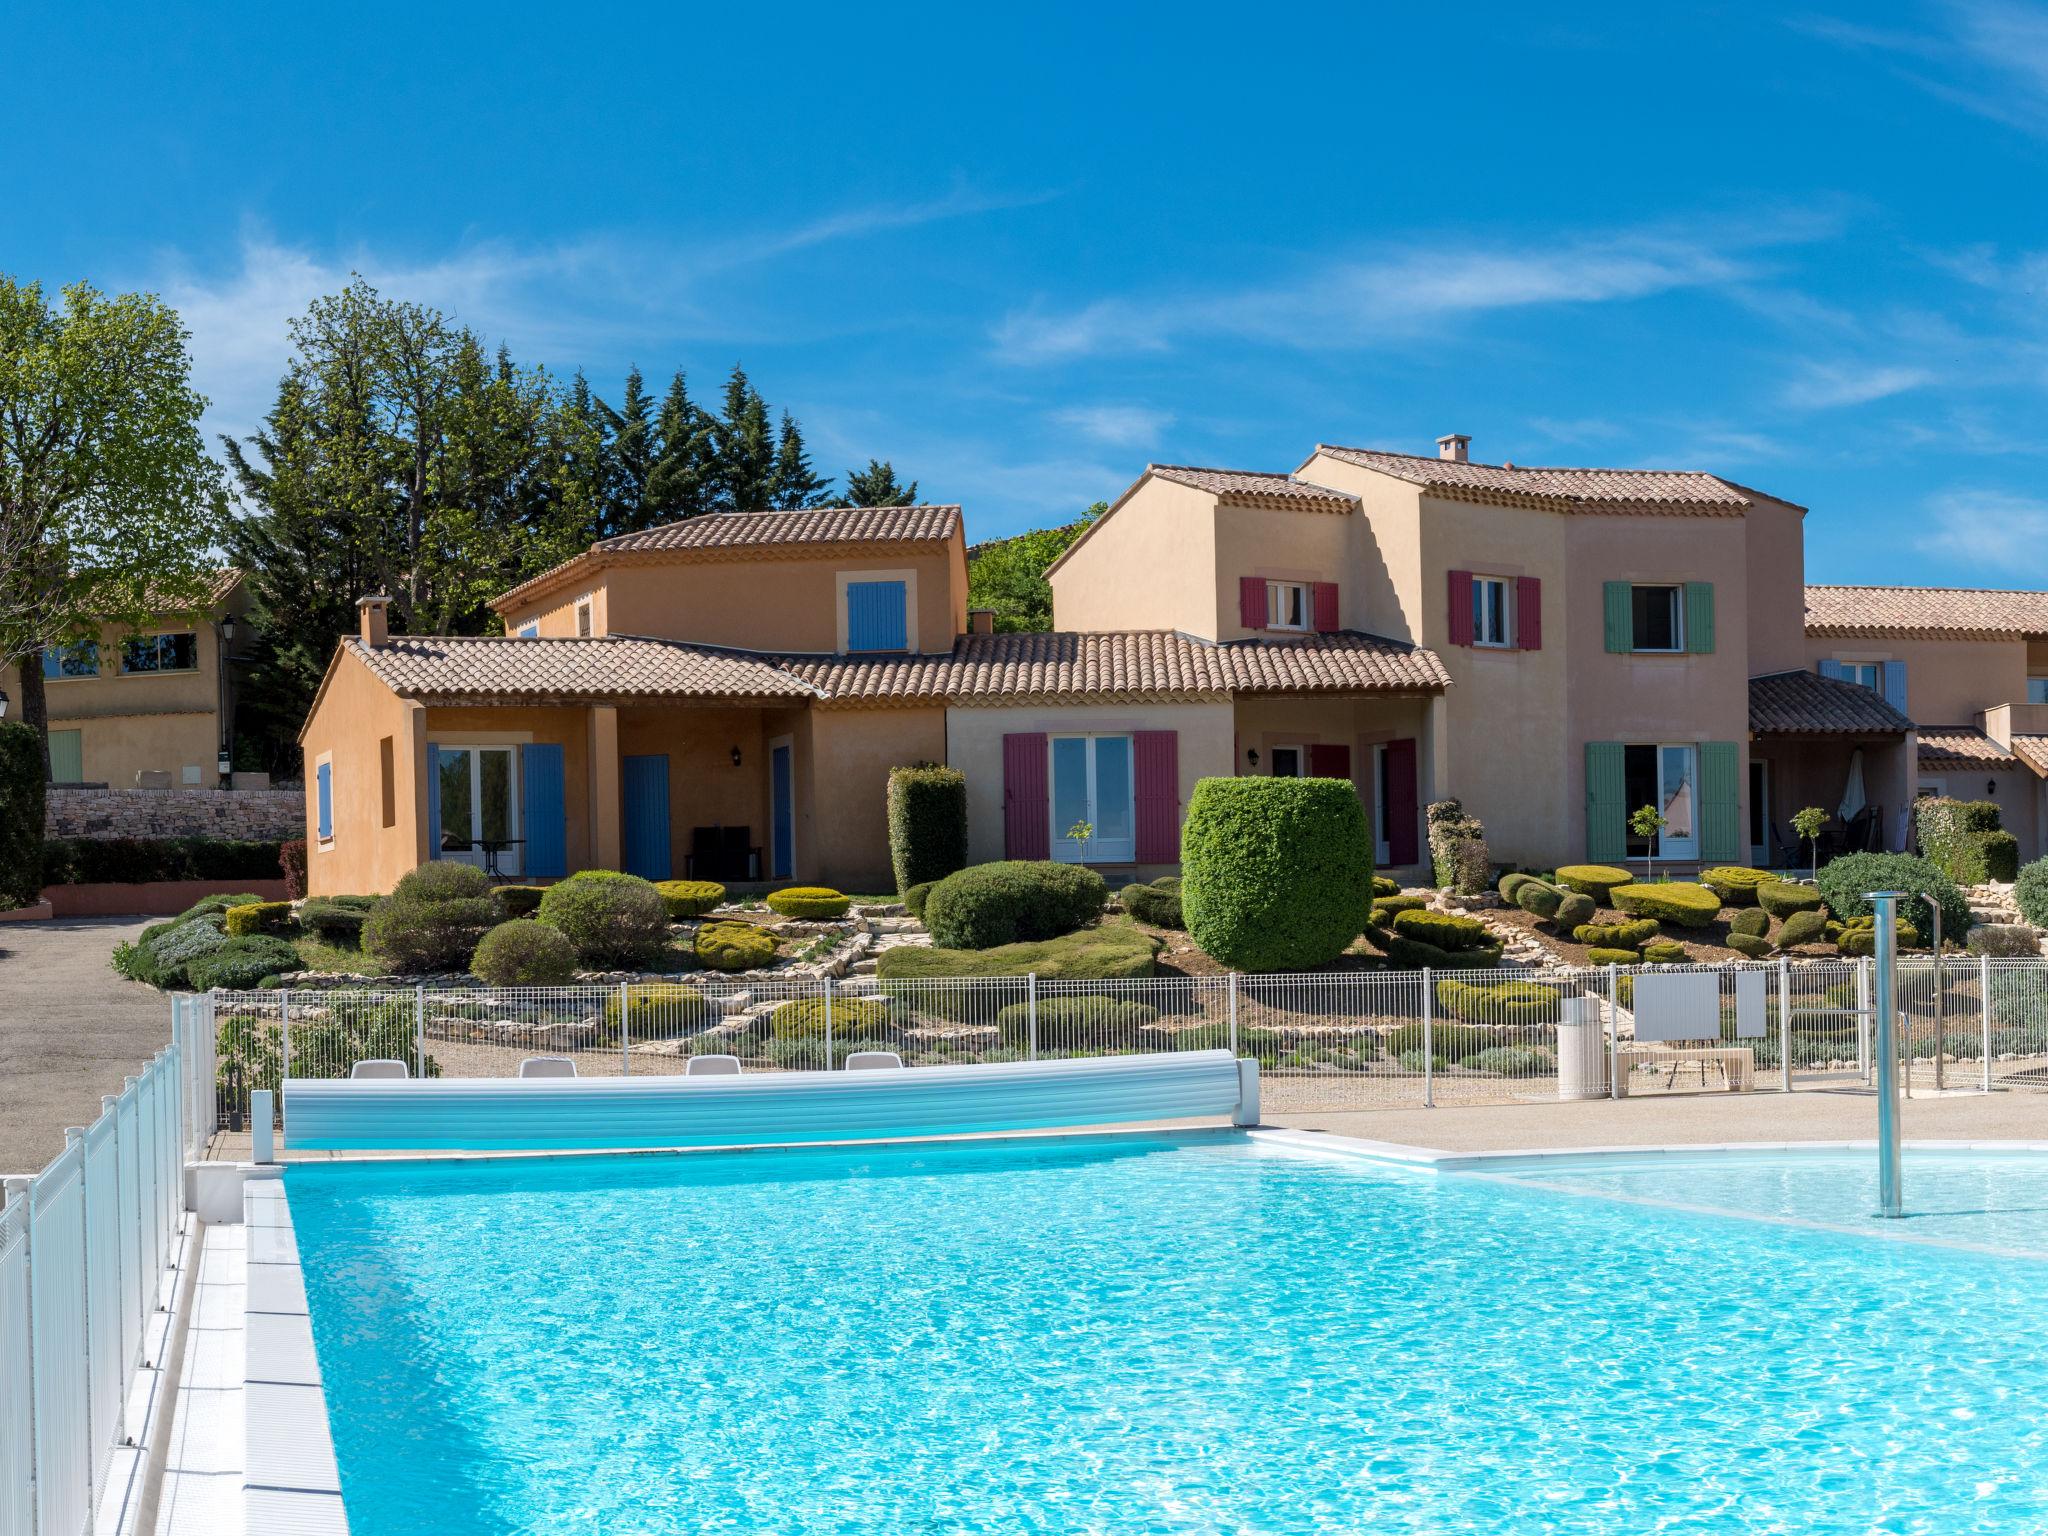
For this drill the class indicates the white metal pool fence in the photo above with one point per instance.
(1362, 1039)
(84, 1246)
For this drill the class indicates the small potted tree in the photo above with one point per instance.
(1809, 824)
(1647, 821)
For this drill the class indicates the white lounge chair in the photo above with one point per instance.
(873, 1061)
(379, 1069)
(712, 1066)
(548, 1066)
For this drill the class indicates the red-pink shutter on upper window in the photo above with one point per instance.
(1528, 613)
(1156, 771)
(1251, 601)
(1324, 594)
(1027, 828)
(1461, 607)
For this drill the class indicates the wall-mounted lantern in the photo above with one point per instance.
(735, 757)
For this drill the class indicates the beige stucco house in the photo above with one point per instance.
(148, 706)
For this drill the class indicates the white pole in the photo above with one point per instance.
(1890, 1197)
(828, 1023)
(419, 1031)
(264, 1146)
(1785, 1023)
(1428, 1042)
(1031, 1016)
(625, 1033)
(1613, 1031)
(1233, 1013)
(1984, 1012)
(1940, 987)
(1863, 1019)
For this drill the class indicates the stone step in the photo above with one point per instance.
(866, 967)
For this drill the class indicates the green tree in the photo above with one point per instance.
(682, 480)
(1008, 575)
(109, 505)
(876, 486)
(743, 448)
(632, 447)
(796, 483)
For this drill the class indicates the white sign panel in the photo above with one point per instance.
(1749, 1004)
(1678, 1005)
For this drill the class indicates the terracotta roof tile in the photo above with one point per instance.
(1567, 490)
(1257, 488)
(1961, 746)
(500, 670)
(818, 525)
(1940, 613)
(1807, 704)
(2033, 751)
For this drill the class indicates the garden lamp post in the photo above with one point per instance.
(3, 703)
(1890, 1198)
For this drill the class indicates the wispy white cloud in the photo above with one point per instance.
(1400, 292)
(1120, 426)
(1989, 57)
(1825, 386)
(1989, 530)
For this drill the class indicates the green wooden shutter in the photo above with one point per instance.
(1606, 810)
(67, 758)
(1720, 823)
(1699, 617)
(1621, 619)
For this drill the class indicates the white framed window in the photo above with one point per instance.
(1658, 615)
(1289, 605)
(479, 790)
(1289, 762)
(1093, 784)
(1869, 674)
(160, 653)
(586, 620)
(76, 658)
(1490, 612)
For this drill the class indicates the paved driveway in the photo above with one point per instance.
(70, 1030)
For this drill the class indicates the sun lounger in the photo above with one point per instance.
(712, 1066)
(872, 1061)
(379, 1069)
(548, 1066)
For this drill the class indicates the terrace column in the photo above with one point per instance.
(605, 843)
(1436, 755)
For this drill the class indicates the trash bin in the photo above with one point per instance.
(1581, 1050)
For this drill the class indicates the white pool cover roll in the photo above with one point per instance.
(501, 1114)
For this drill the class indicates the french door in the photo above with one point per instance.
(1667, 777)
(480, 805)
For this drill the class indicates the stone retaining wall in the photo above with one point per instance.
(237, 813)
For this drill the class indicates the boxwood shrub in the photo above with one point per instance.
(1278, 872)
(1157, 903)
(261, 917)
(1665, 952)
(1108, 953)
(1781, 898)
(614, 921)
(657, 1011)
(1540, 899)
(1804, 927)
(1674, 901)
(1507, 1002)
(915, 898)
(1078, 1023)
(1409, 954)
(1752, 922)
(336, 920)
(1595, 880)
(242, 963)
(691, 898)
(1844, 881)
(1735, 885)
(1753, 945)
(519, 900)
(1601, 955)
(1010, 902)
(734, 947)
(432, 920)
(1630, 935)
(1444, 930)
(810, 901)
(853, 1018)
(524, 953)
(927, 824)
(1511, 882)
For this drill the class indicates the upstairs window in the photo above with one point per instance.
(160, 653)
(1289, 605)
(531, 631)
(1659, 615)
(1867, 673)
(2037, 690)
(78, 658)
(1490, 612)
(877, 616)
(585, 623)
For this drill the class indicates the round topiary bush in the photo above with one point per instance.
(1750, 944)
(432, 920)
(1443, 930)
(1012, 902)
(690, 898)
(1781, 898)
(1600, 955)
(1595, 880)
(1844, 882)
(519, 900)
(1151, 904)
(442, 880)
(335, 919)
(1754, 922)
(523, 953)
(657, 1011)
(1077, 1023)
(1675, 901)
(1665, 952)
(1512, 882)
(853, 1018)
(1385, 885)
(734, 947)
(1277, 872)
(915, 898)
(614, 921)
(1576, 908)
(1806, 927)
(818, 902)
(1539, 900)
(1735, 885)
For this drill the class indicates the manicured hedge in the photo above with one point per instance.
(1511, 882)
(1157, 903)
(1963, 839)
(734, 947)
(691, 898)
(1844, 881)
(1076, 1023)
(1013, 901)
(1540, 899)
(1278, 872)
(24, 858)
(432, 920)
(1107, 953)
(1781, 898)
(142, 860)
(1675, 901)
(1665, 952)
(1600, 955)
(261, 917)
(853, 1018)
(927, 824)
(816, 902)
(659, 1011)
(614, 921)
(1631, 935)
(519, 900)
(1755, 946)
(336, 919)
(1735, 885)
(1507, 1002)
(1803, 927)
(1595, 880)
(1443, 930)
(1753, 922)
(524, 953)
(1384, 886)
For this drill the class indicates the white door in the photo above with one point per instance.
(1678, 798)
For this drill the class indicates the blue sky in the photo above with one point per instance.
(1023, 250)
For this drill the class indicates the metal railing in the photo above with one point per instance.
(84, 1246)
(1333, 1040)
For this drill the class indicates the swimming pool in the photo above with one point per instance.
(1143, 1335)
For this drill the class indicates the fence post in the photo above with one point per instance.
(419, 1030)
(1613, 1032)
(1984, 1012)
(1785, 1023)
(1030, 1016)
(1863, 1018)
(828, 1023)
(625, 1031)
(1233, 1012)
(284, 1035)
(1428, 1042)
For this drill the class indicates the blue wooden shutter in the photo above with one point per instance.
(644, 808)
(1834, 669)
(1621, 617)
(875, 616)
(1893, 675)
(433, 801)
(326, 784)
(1699, 617)
(1606, 794)
(543, 810)
(1720, 821)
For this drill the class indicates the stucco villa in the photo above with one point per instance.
(149, 707)
(1555, 647)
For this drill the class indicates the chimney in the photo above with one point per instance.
(1454, 446)
(375, 612)
(981, 621)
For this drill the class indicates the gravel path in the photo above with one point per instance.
(70, 1030)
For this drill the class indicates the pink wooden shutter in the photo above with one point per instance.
(1251, 601)
(1325, 595)
(1156, 764)
(1027, 828)
(1329, 760)
(1402, 808)
(1528, 613)
(1461, 607)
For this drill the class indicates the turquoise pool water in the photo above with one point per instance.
(1152, 1337)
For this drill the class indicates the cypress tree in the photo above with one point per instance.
(743, 445)
(796, 483)
(876, 486)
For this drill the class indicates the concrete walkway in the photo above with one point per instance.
(70, 1030)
